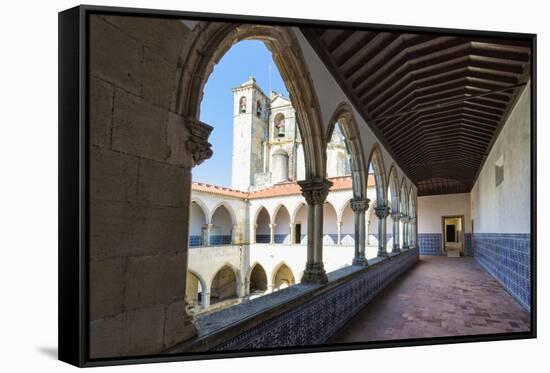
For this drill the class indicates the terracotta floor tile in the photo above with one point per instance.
(439, 297)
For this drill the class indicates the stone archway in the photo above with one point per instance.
(224, 285)
(257, 280)
(208, 43)
(343, 117)
(282, 277)
(222, 222)
(281, 228)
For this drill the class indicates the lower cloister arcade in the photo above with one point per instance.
(273, 246)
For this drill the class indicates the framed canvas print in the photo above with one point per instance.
(238, 185)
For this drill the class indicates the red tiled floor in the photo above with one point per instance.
(439, 297)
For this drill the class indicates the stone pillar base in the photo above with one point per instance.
(382, 252)
(405, 247)
(360, 261)
(395, 249)
(314, 274)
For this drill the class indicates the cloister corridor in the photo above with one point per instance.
(438, 297)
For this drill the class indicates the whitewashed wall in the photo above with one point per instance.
(432, 208)
(506, 208)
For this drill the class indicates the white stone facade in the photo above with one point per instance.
(267, 147)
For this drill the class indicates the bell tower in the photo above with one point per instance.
(250, 116)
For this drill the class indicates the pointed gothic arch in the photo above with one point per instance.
(224, 284)
(281, 219)
(228, 208)
(394, 192)
(377, 162)
(282, 275)
(256, 278)
(343, 116)
(208, 43)
(404, 205)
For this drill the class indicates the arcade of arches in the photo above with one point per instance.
(392, 147)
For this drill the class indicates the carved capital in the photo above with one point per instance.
(315, 191)
(359, 204)
(197, 143)
(381, 212)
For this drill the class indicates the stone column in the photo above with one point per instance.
(367, 232)
(315, 192)
(208, 234)
(292, 228)
(188, 140)
(405, 220)
(382, 213)
(395, 218)
(339, 228)
(359, 207)
(272, 233)
(205, 301)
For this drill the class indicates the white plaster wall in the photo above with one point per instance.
(207, 261)
(505, 209)
(432, 208)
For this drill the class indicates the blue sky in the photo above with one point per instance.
(244, 59)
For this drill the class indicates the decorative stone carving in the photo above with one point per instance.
(381, 212)
(197, 143)
(315, 191)
(359, 204)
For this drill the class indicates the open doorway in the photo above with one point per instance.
(453, 235)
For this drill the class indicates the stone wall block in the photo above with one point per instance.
(139, 128)
(138, 332)
(159, 79)
(178, 326)
(101, 112)
(164, 36)
(161, 184)
(113, 175)
(124, 229)
(178, 134)
(115, 57)
(107, 287)
(154, 280)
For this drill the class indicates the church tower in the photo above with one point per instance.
(250, 116)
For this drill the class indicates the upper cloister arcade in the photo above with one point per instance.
(415, 115)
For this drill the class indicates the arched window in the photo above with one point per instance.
(280, 125)
(242, 105)
(258, 108)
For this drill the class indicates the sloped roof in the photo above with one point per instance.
(281, 189)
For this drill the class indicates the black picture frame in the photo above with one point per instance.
(74, 189)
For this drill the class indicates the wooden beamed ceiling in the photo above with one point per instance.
(437, 102)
